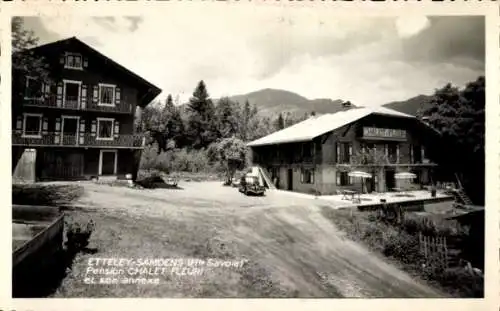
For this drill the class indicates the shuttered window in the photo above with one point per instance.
(73, 61)
(34, 88)
(105, 128)
(32, 125)
(343, 179)
(307, 176)
(106, 94)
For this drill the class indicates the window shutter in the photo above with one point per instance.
(62, 59)
(337, 177)
(45, 125)
(84, 96)
(386, 147)
(85, 62)
(95, 97)
(82, 126)
(312, 176)
(116, 129)
(58, 124)
(350, 152)
(47, 88)
(302, 176)
(93, 128)
(81, 132)
(117, 96)
(397, 153)
(19, 123)
(60, 87)
(337, 153)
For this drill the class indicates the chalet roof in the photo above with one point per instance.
(316, 126)
(150, 90)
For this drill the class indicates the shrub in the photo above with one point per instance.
(78, 235)
(177, 160)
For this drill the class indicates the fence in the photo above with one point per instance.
(434, 250)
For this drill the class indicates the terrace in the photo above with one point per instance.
(76, 103)
(56, 139)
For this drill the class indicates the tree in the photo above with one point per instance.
(227, 121)
(280, 122)
(25, 62)
(201, 128)
(230, 153)
(164, 125)
(459, 117)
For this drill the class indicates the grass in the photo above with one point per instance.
(401, 245)
(49, 195)
(124, 236)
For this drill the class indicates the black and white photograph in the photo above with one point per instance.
(268, 153)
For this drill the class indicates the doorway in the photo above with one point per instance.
(69, 130)
(72, 94)
(290, 179)
(107, 162)
(390, 180)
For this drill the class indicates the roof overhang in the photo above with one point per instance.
(148, 91)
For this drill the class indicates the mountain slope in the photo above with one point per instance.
(273, 101)
(410, 106)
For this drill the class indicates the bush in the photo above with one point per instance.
(78, 235)
(150, 179)
(177, 160)
(401, 243)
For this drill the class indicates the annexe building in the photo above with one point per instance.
(316, 155)
(79, 123)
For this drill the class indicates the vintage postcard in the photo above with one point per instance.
(250, 150)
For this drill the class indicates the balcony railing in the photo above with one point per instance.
(81, 140)
(76, 103)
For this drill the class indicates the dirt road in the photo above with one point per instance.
(290, 249)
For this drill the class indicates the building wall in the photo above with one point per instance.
(324, 158)
(78, 163)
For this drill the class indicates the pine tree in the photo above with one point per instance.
(227, 121)
(280, 122)
(201, 128)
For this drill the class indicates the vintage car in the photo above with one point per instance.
(250, 185)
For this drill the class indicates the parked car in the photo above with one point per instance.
(235, 182)
(250, 185)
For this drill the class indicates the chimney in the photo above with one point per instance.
(346, 105)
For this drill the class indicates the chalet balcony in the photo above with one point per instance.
(83, 140)
(75, 103)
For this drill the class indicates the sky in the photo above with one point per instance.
(369, 61)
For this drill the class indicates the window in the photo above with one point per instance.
(392, 152)
(72, 94)
(105, 128)
(344, 153)
(343, 179)
(32, 125)
(73, 61)
(417, 154)
(106, 95)
(34, 88)
(307, 176)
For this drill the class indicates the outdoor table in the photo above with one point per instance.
(347, 193)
